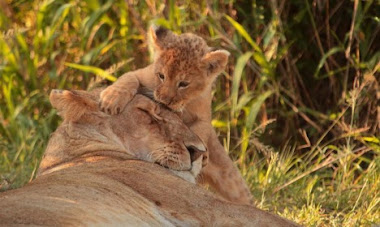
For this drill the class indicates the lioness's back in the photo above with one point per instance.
(81, 195)
(117, 192)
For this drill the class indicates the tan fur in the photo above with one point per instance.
(185, 58)
(143, 131)
(93, 180)
(114, 192)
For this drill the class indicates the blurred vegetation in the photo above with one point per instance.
(298, 105)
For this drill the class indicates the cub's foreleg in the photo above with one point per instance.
(114, 98)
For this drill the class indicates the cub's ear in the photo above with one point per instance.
(72, 105)
(161, 37)
(215, 61)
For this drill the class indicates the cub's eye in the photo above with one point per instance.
(183, 84)
(161, 76)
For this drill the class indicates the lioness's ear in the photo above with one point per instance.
(215, 61)
(71, 105)
(160, 37)
(148, 106)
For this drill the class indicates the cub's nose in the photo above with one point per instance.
(196, 151)
(165, 100)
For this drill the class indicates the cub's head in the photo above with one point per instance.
(185, 67)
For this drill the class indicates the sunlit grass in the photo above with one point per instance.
(297, 107)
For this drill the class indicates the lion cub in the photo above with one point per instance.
(181, 78)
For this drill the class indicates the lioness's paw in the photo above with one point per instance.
(113, 101)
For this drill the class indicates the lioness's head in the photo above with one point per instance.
(184, 66)
(144, 130)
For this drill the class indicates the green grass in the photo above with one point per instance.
(298, 105)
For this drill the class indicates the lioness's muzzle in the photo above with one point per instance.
(195, 151)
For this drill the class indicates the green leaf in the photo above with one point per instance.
(255, 108)
(94, 53)
(371, 139)
(7, 53)
(244, 33)
(218, 124)
(60, 14)
(324, 57)
(258, 55)
(251, 117)
(243, 100)
(89, 22)
(241, 62)
(265, 67)
(43, 10)
(92, 69)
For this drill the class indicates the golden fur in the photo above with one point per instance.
(181, 78)
(144, 131)
(90, 174)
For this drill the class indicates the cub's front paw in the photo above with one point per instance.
(113, 101)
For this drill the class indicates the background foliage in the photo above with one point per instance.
(297, 108)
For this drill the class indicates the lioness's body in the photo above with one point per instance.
(123, 192)
(89, 174)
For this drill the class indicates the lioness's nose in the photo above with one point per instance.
(196, 151)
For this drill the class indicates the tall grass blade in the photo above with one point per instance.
(241, 63)
(92, 69)
(244, 33)
(250, 120)
(321, 63)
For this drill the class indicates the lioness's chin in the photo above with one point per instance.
(190, 175)
(187, 175)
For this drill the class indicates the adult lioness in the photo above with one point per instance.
(99, 183)
(144, 131)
